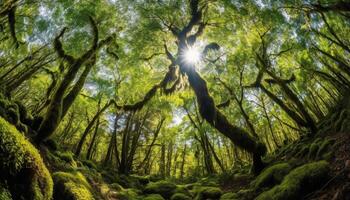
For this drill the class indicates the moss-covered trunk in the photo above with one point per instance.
(215, 118)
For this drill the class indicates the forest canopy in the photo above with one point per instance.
(176, 90)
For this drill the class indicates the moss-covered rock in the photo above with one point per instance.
(272, 175)
(153, 197)
(298, 182)
(128, 194)
(229, 196)
(203, 193)
(164, 188)
(180, 196)
(182, 189)
(71, 186)
(22, 166)
(144, 180)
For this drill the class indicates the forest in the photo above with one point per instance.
(174, 99)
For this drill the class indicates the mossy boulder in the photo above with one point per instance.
(164, 188)
(22, 166)
(299, 182)
(71, 186)
(229, 196)
(180, 196)
(128, 194)
(144, 180)
(272, 175)
(182, 189)
(203, 193)
(153, 197)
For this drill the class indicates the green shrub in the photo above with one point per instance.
(22, 166)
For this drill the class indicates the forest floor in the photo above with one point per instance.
(315, 167)
(338, 187)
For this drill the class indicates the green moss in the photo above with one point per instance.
(229, 196)
(128, 194)
(324, 147)
(298, 182)
(5, 193)
(153, 197)
(339, 121)
(71, 186)
(89, 164)
(272, 175)
(116, 186)
(22, 166)
(313, 150)
(209, 181)
(164, 188)
(204, 193)
(65, 156)
(180, 196)
(142, 179)
(182, 189)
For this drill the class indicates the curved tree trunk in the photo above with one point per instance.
(215, 118)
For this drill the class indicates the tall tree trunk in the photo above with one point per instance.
(162, 161)
(55, 110)
(112, 141)
(269, 122)
(182, 167)
(125, 145)
(149, 150)
(89, 127)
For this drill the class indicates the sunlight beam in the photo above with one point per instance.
(192, 55)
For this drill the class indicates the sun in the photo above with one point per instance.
(192, 55)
